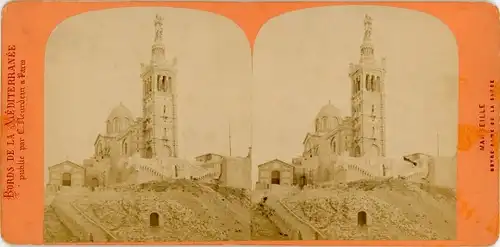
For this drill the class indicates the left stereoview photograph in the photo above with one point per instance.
(147, 128)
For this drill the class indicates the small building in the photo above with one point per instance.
(66, 173)
(275, 172)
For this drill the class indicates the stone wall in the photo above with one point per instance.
(237, 172)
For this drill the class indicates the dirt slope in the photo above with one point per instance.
(395, 209)
(189, 211)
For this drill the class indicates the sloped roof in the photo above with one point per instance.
(66, 162)
(276, 160)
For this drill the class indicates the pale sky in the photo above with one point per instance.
(93, 64)
(300, 62)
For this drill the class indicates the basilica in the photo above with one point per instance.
(135, 150)
(347, 148)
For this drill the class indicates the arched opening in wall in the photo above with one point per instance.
(66, 179)
(116, 125)
(149, 153)
(302, 181)
(94, 183)
(334, 145)
(125, 147)
(176, 171)
(154, 220)
(325, 123)
(275, 177)
(357, 151)
(362, 218)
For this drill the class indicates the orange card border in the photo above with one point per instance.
(26, 26)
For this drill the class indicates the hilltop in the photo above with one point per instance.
(395, 209)
(188, 211)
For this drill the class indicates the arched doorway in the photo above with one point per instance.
(357, 151)
(362, 218)
(94, 183)
(66, 179)
(154, 220)
(149, 153)
(275, 177)
(302, 181)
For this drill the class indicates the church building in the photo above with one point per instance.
(346, 148)
(135, 150)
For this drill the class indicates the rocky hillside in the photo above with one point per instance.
(395, 209)
(188, 211)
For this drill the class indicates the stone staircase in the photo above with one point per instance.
(296, 227)
(80, 224)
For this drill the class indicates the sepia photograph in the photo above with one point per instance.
(147, 119)
(167, 125)
(355, 124)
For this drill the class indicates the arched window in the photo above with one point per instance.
(66, 179)
(367, 82)
(362, 218)
(149, 153)
(154, 220)
(168, 85)
(94, 183)
(357, 151)
(99, 149)
(334, 145)
(125, 147)
(176, 172)
(275, 177)
(318, 127)
(346, 143)
(164, 109)
(116, 125)
(325, 123)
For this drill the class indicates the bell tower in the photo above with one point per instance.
(368, 99)
(159, 107)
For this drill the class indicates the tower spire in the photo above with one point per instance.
(367, 50)
(158, 49)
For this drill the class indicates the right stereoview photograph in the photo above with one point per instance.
(355, 112)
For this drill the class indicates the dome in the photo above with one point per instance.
(328, 111)
(119, 120)
(120, 112)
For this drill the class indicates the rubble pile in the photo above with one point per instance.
(187, 211)
(395, 210)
